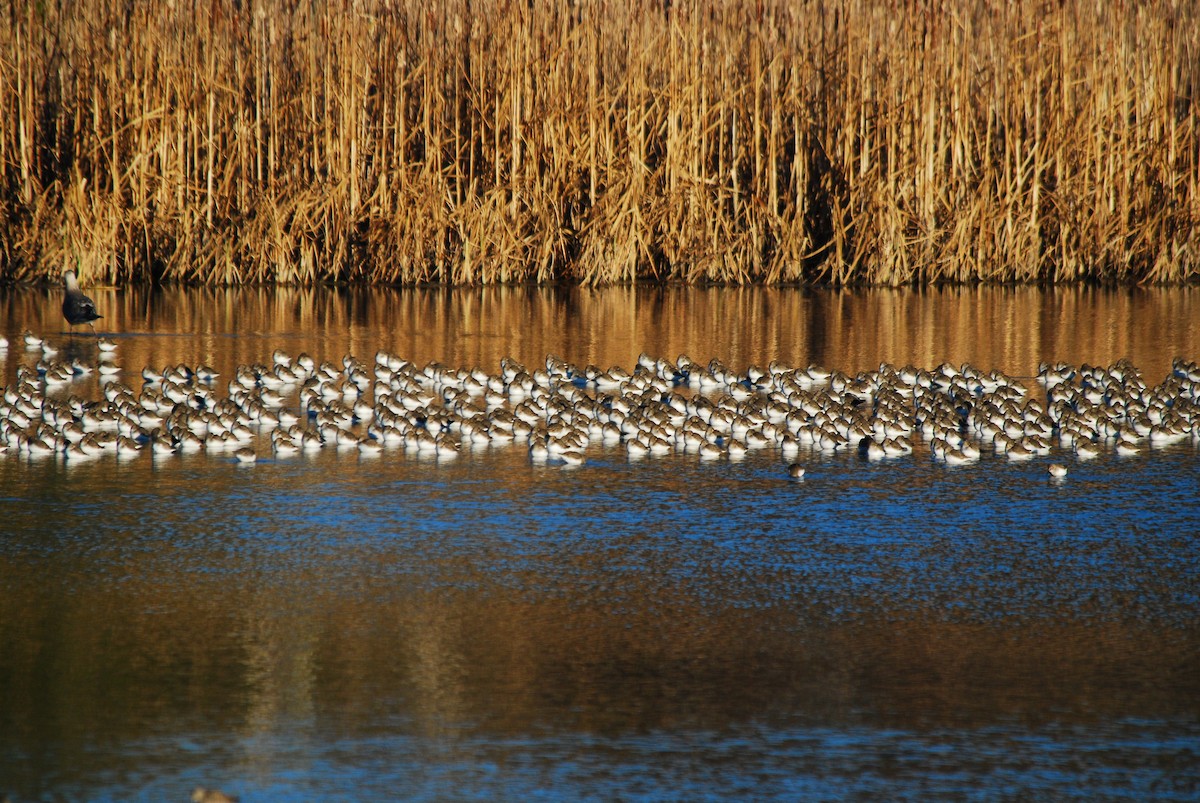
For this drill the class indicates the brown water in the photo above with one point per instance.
(333, 627)
(1010, 329)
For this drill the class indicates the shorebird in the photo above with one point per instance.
(77, 308)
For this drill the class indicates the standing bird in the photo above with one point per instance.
(77, 308)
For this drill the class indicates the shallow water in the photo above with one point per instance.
(337, 627)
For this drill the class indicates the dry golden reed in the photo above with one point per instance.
(485, 141)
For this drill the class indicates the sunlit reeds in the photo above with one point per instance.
(491, 141)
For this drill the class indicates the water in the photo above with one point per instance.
(334, 627)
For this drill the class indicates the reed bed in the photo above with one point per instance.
(488, 141)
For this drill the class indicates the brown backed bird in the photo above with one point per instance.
(77, 308)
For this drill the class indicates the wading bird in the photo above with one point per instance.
(77, 308)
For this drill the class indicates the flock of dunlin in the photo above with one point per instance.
(557, 410)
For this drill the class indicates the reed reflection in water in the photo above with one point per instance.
(399, 627)
(1009, 329)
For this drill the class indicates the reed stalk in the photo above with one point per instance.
(487, 141)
